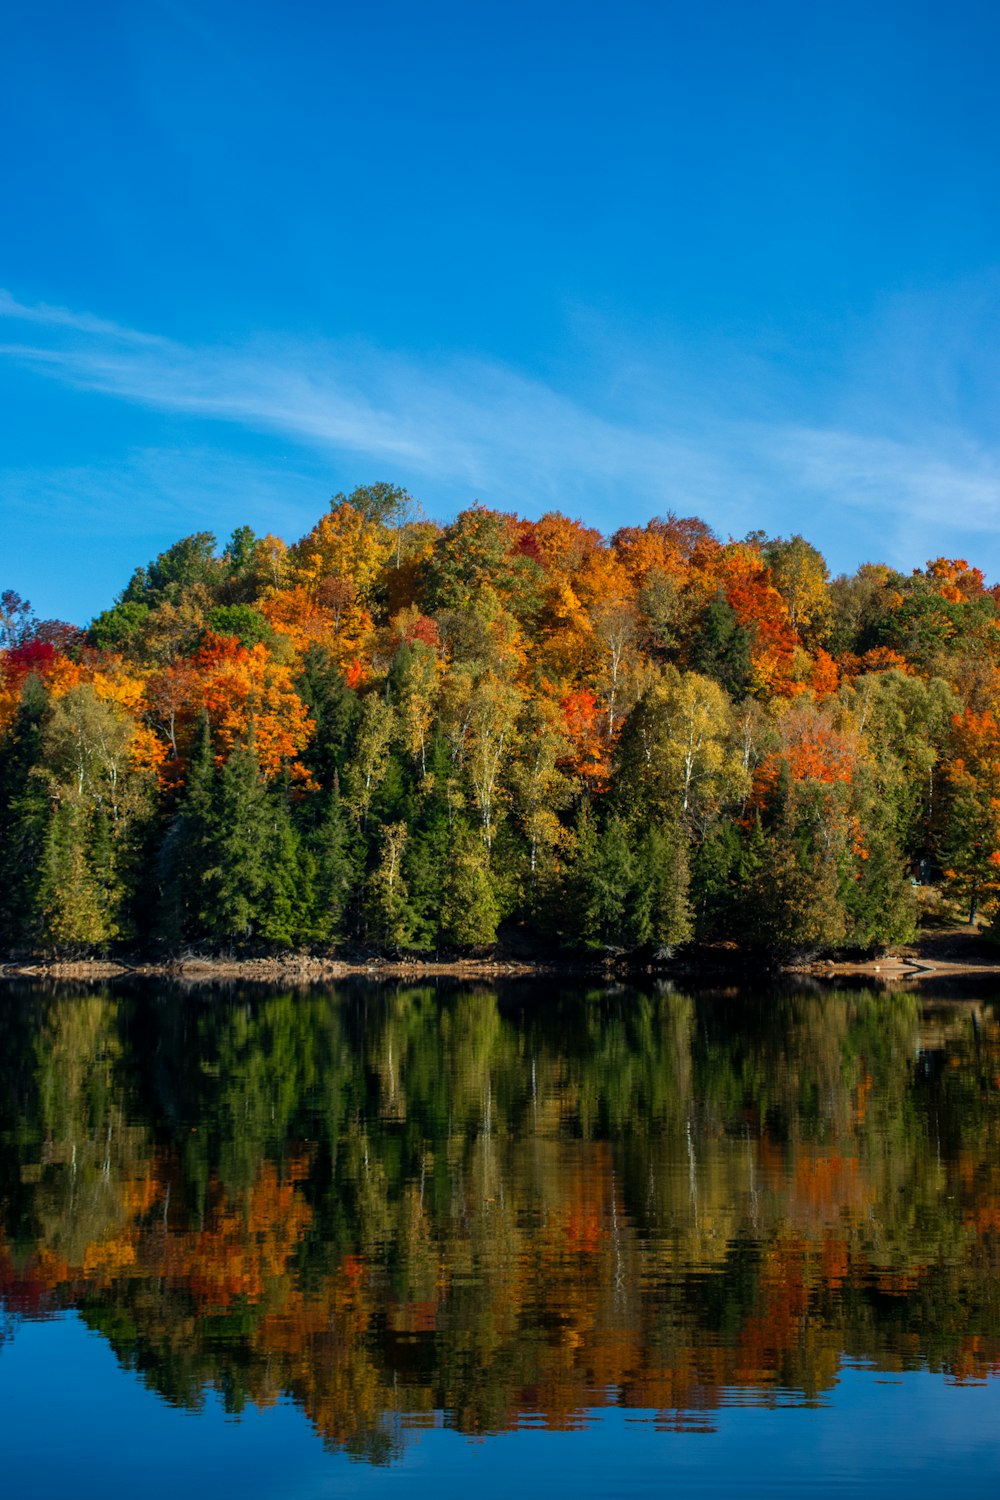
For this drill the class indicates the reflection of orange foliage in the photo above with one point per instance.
(973, 1361)
(827, 1182)
(138, 1194)
(776, 1325)
(984, 1218)
(413, 1317)
(109, 1258)
(248, 1243)
(897, 1283)
(835, 1262)
(587, 1191)
(50, 1268)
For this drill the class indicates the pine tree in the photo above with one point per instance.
(185, 855)
(427, 854)
(722, 648)
(284, 913)
(659, 909)
(25, 813)
(237, 878)
(334, 709)
(602, 881)
(334, 864)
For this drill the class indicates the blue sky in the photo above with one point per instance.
(731, 259)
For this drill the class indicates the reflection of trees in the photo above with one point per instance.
(391, 1201)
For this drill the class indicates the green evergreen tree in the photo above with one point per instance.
(798, 893)
(334, 863)
(25, 813)
(185, 855)
(334, 709)
(721, 648)
(427, 854)
(660, 910)
(237, 878)
(879, 899)
(714, 893)
(284, 916)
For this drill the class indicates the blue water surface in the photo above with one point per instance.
(74, 1423)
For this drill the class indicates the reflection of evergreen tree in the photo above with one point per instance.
(493, 1207)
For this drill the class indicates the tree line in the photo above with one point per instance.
(415, 737)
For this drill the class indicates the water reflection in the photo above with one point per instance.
(391, 1203)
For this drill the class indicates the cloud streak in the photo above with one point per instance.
(473, 427)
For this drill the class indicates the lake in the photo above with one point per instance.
(451, 1237)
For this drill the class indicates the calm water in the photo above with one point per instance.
(359, 1240)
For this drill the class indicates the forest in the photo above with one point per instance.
(420, 738)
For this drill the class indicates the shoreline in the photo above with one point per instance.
(910, 966)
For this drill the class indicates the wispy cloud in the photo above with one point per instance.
(922, 480)
(473, 427)
(463, 421)
(159, 491)
(63, 318)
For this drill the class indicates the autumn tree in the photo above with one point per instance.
(101, 801)
(800, 575)
(470, 908)
(970, 824)
(679, 753)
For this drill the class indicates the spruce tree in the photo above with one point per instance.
(334, 867)
(284, 915)
(602, 881)
(186, 855)
(427, 856)
(659, 909)
(25, 812)
(237, 878)
(722, 648)
(333, 707)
